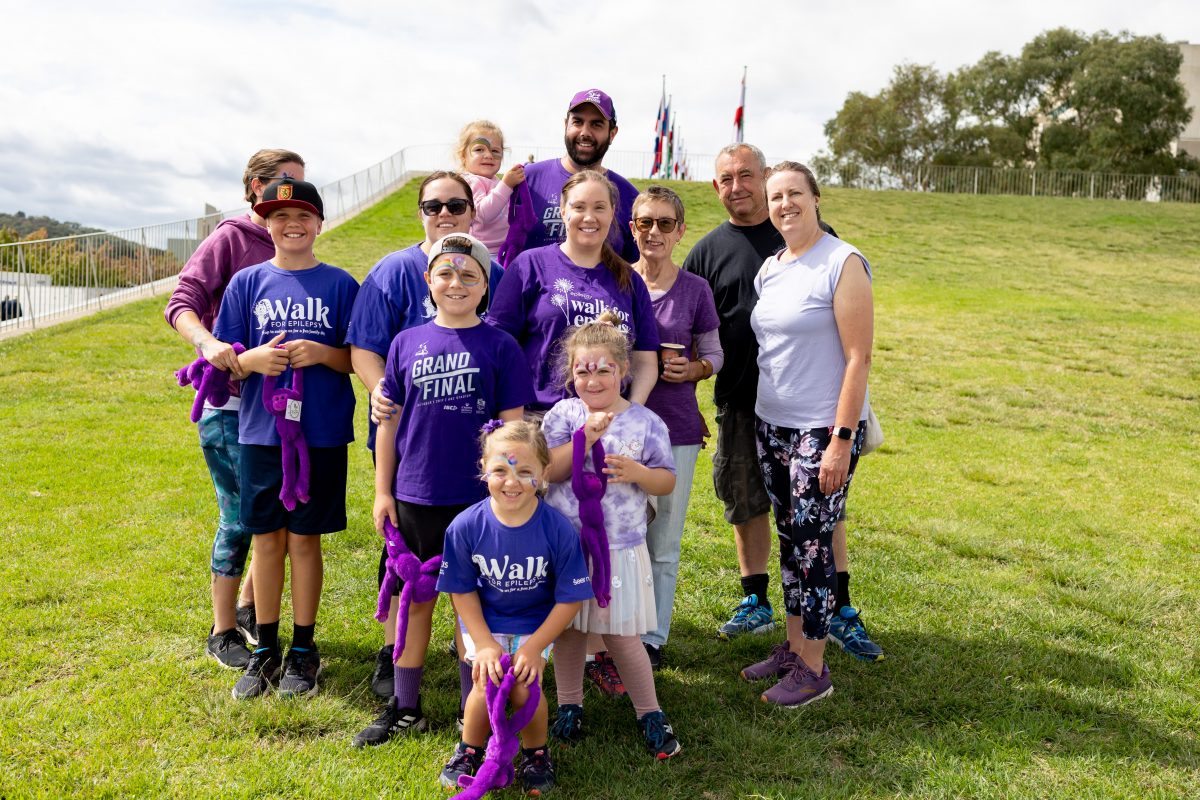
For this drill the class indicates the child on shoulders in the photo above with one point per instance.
(480, 151)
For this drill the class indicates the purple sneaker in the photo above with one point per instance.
(773, 667)
(799, 686)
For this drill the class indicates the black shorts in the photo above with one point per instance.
(261, 473)
(424, 530)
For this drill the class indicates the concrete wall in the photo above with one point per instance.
(1189, 75)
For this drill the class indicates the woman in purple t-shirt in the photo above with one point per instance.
(549, 289)
(686, 316)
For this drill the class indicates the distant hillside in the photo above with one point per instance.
(25, 225)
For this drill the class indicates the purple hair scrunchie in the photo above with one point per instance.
(589, 490)
(212, 384)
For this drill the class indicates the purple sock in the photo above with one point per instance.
(464, 685)
(408, 686)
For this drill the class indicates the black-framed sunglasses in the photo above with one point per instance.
(432, 208)
(272, 178)
(665, 224)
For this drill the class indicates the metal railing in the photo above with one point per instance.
(49, 280)
(1031, 182)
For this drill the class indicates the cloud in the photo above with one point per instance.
(133, 114)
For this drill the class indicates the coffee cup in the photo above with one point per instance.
(666, 352)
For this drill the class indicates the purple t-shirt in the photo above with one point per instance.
(395, 297)
(636, 432)
(519, 573)
(543, 293)
(448, 382)
(314, 304)
(685, 311)
(545, 180)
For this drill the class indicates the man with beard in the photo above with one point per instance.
(591, 126)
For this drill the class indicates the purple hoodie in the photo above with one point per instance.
(234, 244)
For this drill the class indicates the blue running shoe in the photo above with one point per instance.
(846, 628)
(748, 617)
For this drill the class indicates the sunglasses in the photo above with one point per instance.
(432, 208)
(665, 224)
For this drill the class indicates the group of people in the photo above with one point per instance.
(534, 427)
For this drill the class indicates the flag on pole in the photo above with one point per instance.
(664, 132)
(658, 124)
(739, 116)
(670, 150)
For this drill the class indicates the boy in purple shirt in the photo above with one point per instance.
(292, 313)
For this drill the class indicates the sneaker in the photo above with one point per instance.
(300, 671)
(654, 653)
(465, 761)
(536, 772)
(748, 617)
(391, 721)
(603, 672)
(773, 667)
(659, 738)
(383, 680)
(247, 623)
(228, 648)
(567, 727)
(799, 686)
(846, 628)
(261, 671)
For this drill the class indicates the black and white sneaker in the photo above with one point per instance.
(261, 672)
(228, 648)
(300, 671)
(247, 623)
(383, 680)
(390, 722)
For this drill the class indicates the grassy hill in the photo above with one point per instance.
(1023, 546)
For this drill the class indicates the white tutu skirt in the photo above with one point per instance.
(631, 610)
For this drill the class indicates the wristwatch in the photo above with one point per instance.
(843, 433)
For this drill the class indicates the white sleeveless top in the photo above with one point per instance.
(800, 358)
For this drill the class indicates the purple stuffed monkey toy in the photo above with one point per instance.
(589, 489)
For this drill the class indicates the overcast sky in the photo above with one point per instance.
(125, 113)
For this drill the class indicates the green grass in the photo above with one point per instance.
(1023, 546)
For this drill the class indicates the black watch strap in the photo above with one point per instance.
(843, 433)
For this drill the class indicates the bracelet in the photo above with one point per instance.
(708, 368)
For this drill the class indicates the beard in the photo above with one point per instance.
(586, 161)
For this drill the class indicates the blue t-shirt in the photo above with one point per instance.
(448, 382)
(314, 304)
(544, 293)
(393, 297)
(519, 573)
(545, 180)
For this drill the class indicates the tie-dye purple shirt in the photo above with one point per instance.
(636, 432)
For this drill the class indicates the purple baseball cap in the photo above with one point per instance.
(599, 99)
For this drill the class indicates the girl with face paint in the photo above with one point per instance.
(515, 571)
(637, 463)
(480, 151)
(447, 378)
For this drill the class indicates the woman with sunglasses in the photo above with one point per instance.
(395, 297)
(691, 352)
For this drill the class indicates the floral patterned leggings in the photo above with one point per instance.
(804, 518)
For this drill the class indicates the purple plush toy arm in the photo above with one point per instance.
(496, 772)
(589, 490)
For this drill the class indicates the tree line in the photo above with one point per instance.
(1069, 101)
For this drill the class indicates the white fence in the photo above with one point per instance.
(49, 280)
